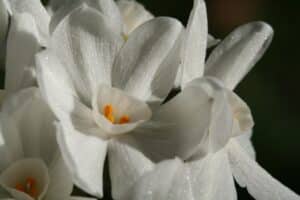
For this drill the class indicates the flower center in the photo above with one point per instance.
(108, 112)
(29, 187)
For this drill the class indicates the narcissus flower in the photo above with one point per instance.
(31, 166)
(102, 87)
(27, 34)
(224, 152)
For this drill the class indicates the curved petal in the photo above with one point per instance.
(134, 14)
(10, 142)
(61, 184)
(58, 90)
(239, 52)
(126, 166)
(211, 41)
(34, 121)
(195, 44)
(84, 156)
(143, 55)
(86, 48)
(37, 10)
(260, 184)
(178, 127)
(157, 183)
(23, 43)
(245, 142)
(243, 120)
(107, 8)
(110, 11)
(211, 178)
(20, 171)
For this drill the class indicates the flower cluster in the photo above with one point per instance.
(86, 82)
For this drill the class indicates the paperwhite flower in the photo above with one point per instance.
(31, 166)
(28, 33)
(224, 152)
(102, 88)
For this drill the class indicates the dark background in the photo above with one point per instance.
(271, 89)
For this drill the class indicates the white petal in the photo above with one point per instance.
(106, 8)
(245, 142)
(157, 183)
(84, 156)
(37, 10)
(126, 166)
(239, 52)
(86, 49)
(211, 41)
(22, 169)
(134, 14)
(195, 44)
(23, 43)
(260, 184)
(34, 121)
(211, 178)
(110, 11)
(61, 184)
(54, 5)
(138, 111)
(243, 120)
(142, 57)
(10, 142)
(59, 92)
(178, 127)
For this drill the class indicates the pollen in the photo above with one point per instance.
(30, 187)
(124, 119)
(108, 112)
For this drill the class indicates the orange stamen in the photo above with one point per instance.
(20, 187)
(108, 113)
(29, 187)
(124, 119)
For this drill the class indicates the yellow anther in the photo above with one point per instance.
(29, 187)
(124, 119)
(20, 187)
(108, 112)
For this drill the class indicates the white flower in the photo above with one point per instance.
(224, 152)
(102, 88)
(28, 33)
(133, 14)
(31, 166)
(232, 59)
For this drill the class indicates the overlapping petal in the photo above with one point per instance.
(134, 14)
(77, 148)
(259, 183)
(194, 49)
(23, 42)
(86, 48)
(238, 52)
(126, 164)
(144, 54)
(37, 10)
